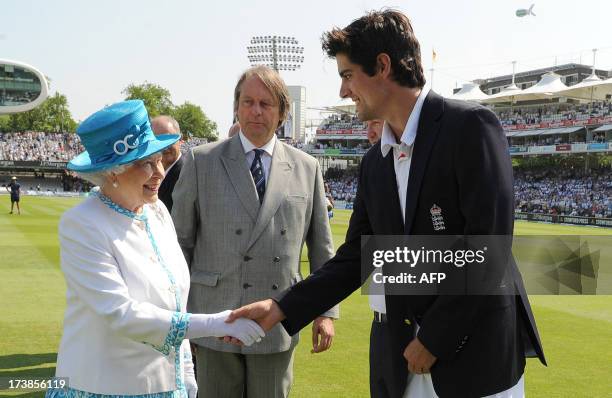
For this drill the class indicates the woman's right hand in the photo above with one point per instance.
(214, 325)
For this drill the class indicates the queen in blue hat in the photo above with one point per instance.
(126, 327)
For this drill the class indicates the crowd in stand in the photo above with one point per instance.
(547, 190)
(37, 146)
(564, 191)
(342, 121)
(557, 113)
(52, 147)
(341, 184)
(339, 145)
(192, 142)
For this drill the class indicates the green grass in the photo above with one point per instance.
(576, 330)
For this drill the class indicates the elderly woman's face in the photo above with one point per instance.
(141, 181)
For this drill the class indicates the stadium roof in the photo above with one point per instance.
(532, 133)
(566, 130)
(470, 92)
(605, 127)
(505, 95)
(345, 105)
(591, 88)
(549, 86)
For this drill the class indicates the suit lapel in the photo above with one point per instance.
(280, 171)
(429, 126)
(234, 161)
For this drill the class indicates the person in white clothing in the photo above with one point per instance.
(126, 328)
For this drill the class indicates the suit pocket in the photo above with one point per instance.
(205, 278)
(297, 198)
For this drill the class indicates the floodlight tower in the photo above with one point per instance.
(277, 52)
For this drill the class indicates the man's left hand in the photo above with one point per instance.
(420, 360)
(322, 327)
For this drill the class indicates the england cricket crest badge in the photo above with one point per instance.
(436, 218)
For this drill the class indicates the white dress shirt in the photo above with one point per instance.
(402, 157)
(266, 157)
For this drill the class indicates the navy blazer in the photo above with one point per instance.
(461, 163)
(167, 186)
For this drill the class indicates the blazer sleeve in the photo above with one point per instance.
(484, 177)
(319, 237)
(185, 210)
(94, 277)
(335, 280)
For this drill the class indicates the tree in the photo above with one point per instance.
(194, 121)
(58, 114)
(156, 98)
(51, 116)
(5, 123)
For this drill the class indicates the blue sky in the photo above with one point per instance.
(93, 49)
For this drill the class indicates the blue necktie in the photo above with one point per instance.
(257, 172)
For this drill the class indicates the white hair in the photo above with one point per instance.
(100, 178)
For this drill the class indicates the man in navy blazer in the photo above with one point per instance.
(442, 167)
(171, 157)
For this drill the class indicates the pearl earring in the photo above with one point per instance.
(115, 184)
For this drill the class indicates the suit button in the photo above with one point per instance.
(274, 287)
(247, 258)
(276, 259)
(238, 232)
(283, 231)
(246, 286)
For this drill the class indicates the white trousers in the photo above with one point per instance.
(421, 386)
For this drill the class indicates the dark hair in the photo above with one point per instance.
(377, 32)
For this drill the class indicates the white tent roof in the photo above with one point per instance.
(345, 105)
(470, 92)
(505, 95)
(549, 84)
(547, 87)
(590, 88)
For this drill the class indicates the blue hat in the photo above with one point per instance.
(118, 134)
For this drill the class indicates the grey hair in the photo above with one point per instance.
(100, 178)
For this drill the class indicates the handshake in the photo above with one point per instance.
(246, 325)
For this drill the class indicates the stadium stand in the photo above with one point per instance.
(342, 122)
(32, 145)
(569, 192)
(554, 113)
(341, 184)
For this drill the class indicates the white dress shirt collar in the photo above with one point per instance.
(248, 145)
(408, 136)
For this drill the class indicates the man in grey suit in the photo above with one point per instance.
(243, 208)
